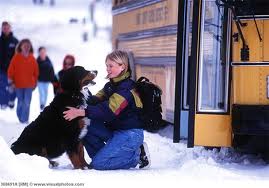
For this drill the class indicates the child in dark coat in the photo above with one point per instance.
(46, 75)
(8, 43)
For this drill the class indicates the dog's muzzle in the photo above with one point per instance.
(88, 79)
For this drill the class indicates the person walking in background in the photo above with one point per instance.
(8, 44)
(69, 61)
(46, 75)
(115, 134)
(41, 2)
(23, 73)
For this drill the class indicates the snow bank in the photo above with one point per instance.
(22, 166)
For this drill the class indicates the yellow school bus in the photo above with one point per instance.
(211, 59)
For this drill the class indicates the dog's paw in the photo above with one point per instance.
(86, 167)
(53, 164)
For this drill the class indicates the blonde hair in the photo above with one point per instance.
(120, 57)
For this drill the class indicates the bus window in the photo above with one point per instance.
(213, 65)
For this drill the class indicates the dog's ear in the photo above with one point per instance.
(69, 81)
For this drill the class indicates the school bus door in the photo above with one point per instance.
(182, 71)
(209, 118)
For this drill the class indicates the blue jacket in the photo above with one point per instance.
(119, 105)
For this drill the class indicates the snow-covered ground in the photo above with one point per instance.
(172, 164)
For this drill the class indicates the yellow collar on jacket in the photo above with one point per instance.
(121, 77)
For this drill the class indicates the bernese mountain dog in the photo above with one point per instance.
(50, 135)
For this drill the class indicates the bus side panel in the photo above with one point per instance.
(265, 38)
(148, 17)
(151, 47)
(170, 76)
(251, 36)
(250, 85)
(212, 130)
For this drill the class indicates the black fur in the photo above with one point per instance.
(50, 130)
(50, 135)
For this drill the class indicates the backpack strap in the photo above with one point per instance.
(142, 78)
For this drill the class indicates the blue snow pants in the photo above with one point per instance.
(43, 92)
(6, 96)
(24, 96)
(111, 150)
(3, 89)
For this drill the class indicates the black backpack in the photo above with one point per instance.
(150, 95)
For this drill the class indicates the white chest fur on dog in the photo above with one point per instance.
(86, 93)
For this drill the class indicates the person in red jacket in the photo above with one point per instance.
(23, 74)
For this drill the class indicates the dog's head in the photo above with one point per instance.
(75, 78)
